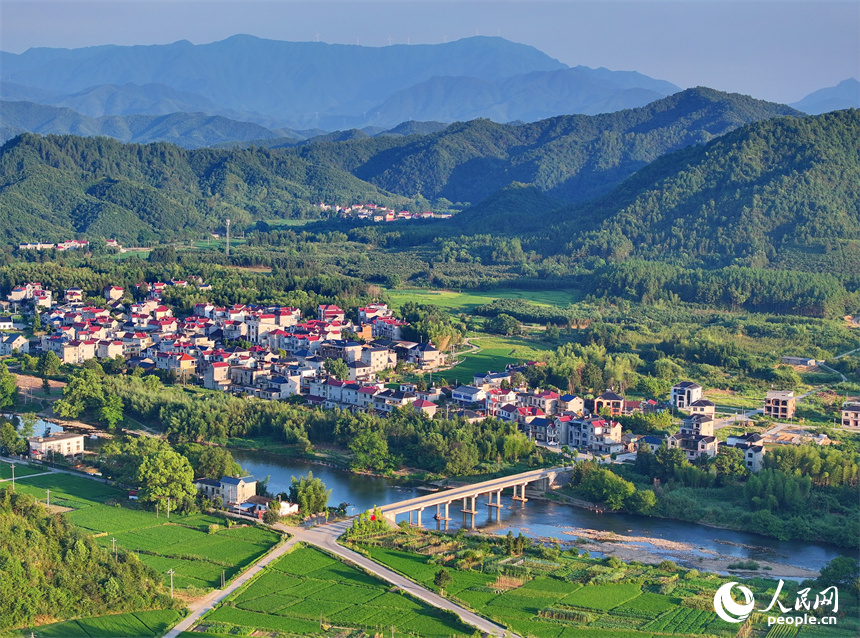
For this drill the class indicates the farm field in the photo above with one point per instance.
(20, 470)
(141, 624)
(569, 596)
(467, 301)
(495, 353)
(183, 543)
(309, 593)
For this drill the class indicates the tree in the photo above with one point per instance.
(370, 450)
(83, 392)
(273, 514)
(337, 368)
(442, 579)
(730, 463)
(111, 411)
(37, 321)
(49, 364)
(10, 441)
(8, 386)
(215, 462)
(842, 571)
(165, 474)
(28, 424)
(309, 493)
(641, 501)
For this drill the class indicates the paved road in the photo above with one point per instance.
(325, 537)
(208, 603)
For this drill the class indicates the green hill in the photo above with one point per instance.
(53, 187)
(572, 157)
(783, 193)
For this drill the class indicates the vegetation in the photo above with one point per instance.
(51, 569)
(306, 592)
(543, 591)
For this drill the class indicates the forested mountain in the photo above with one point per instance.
(574, 157)
(845, 95)
(53, 187)
(784, 193)
(189, 130)
(316, 85)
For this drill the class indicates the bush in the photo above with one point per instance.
(213, 529)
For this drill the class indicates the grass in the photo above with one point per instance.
(307, 587)
(20, 471)
(495, 352)
(467, 301)
(141, 624)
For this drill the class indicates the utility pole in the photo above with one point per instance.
(168, 508)
(228, 237)
(12, 465)
(48, 500)
(171, 572)
(113, 542)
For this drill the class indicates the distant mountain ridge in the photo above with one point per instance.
(301, 85)
(845, 95)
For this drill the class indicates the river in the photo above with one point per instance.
(540, 518)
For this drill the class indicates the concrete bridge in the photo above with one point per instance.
(469, 494)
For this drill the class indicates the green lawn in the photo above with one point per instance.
(466, 301)
(307, 588)
(495, 353)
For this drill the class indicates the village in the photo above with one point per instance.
(332, 362)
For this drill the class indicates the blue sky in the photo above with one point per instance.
(772, 50)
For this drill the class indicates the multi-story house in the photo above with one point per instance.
(378, 358)
(696, 437)
(468, 394)
(851, 414)
(703, 406)
(545, 400)
(389, 400)
(780, 404)
(685, 393)
(571, 403)
(595, 434)
(752, 447)
(611, 402)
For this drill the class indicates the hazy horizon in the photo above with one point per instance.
(778, 51)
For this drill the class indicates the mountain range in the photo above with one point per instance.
(302, 85)
(56, 186)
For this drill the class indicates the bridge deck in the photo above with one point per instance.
(468, 491)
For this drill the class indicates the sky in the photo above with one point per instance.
(772, 50)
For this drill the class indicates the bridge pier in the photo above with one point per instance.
(439, 518)
(521, 498)
(471, 511)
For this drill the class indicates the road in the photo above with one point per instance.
(208, 603)
(325, 537)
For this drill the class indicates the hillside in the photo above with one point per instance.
(573, 158)
(189, 130)
(783, 193)
(53, 570)
(53, 187)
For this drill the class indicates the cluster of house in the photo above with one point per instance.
(285, 357)
(376, 213)
(69, 244)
